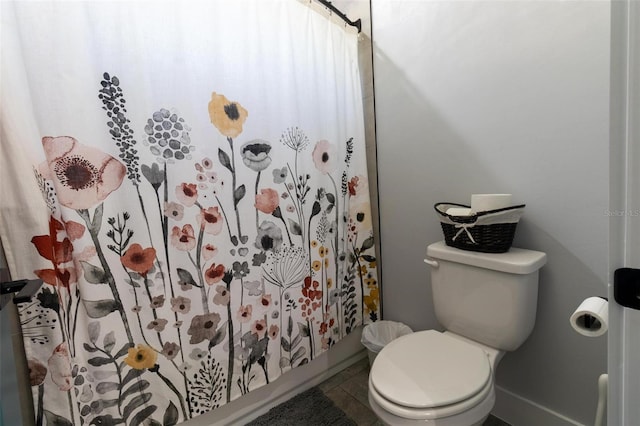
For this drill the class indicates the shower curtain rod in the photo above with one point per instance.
(357, 23)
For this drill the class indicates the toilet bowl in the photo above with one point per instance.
(433, 379)
(487, 303)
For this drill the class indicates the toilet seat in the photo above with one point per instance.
(428, 375)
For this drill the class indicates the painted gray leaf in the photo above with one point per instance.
(56, 420)
(219, 336)
(93, 274)
(330, 198)
(135, 403)
(298, 354)
(367, 244)
(294, 227)
(171, 415)
(100, 308)
(304, 329)
(105, 387)
(284, 362)
(239, 194)
(224, 159)
(285, 344)
(94, 331)
(142, 415)
(136, 387)
(185, 276)
(109, 341)
(97, 218)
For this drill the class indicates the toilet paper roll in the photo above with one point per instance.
(591, 318)
(484, 202)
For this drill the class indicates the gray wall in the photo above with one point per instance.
(494, 96)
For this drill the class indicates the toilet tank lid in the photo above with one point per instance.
(515, 261)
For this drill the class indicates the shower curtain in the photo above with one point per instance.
(188, 179)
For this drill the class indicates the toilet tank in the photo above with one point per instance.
(491, 298)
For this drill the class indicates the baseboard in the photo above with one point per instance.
(247, 408)
(519, 411)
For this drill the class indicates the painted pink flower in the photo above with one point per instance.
(60, 367)
(222, 297)
(173, 210)
(244, 313)
(83, 176)
(259, 328)
(324, 156)
(183, 239)
(208, 251)
(273, 331)
(267, 201)
(214, 274)
(265, 301)
(187, 193)
(210, 220)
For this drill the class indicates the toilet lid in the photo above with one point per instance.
(429, 369)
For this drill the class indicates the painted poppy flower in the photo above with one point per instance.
(214, 274)
(269, 237)
(324, 156)
(208, 251)
(138, 259)
(157, 302)
(222, 296)
(141, 357)
(37, 372)
(187, 193)
(58, 253)
(244, 313)
(210, 220)
(267, 201)
(181, 304)
(360, 215)
(173, 210)
(265, 301)
(170, 350)
(83, 176)
(226, 115)
(203, 327)
(273, 331)
(259, 328)
(183, 239)
(60, 367)
(255, 154)
(280, 175)
(157, 325)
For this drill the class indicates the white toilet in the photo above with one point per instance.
(487, 304)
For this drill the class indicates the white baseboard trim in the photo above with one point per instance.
(519, 411)
(256, 403)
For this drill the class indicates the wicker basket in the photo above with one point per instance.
(488, 232)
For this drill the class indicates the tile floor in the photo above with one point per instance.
(348, 390)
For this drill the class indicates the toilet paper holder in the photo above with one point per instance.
(626, 287)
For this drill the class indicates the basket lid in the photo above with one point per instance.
(515, 261)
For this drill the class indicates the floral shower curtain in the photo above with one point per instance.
(189, 181)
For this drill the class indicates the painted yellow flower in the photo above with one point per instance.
(329, 282)
(141, 357)
(372, 265)
(314, 244)
(323, 251)
(371, 301)
(316, 265)
(370, 281)
(226, 115)
(363, 270)
(326, 262)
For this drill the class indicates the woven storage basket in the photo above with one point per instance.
(490, 231)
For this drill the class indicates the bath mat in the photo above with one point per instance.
(310, 408)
